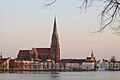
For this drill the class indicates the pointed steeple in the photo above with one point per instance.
(92, 54)
(55, 47)
(55, 34)
(92, 51)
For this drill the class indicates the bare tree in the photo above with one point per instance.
(113, 59)
(110, 14)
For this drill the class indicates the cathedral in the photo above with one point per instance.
(43, 54)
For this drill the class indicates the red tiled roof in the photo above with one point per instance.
(23, 53)
(43, 50)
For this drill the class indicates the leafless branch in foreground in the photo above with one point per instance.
(51, 2)
(109, 15)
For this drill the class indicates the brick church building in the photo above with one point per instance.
(43, 54)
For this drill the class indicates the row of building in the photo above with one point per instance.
(49, 59)
(46, 58)
(89, 63)
(112, 65)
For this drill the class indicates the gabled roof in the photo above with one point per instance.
(23, 53)
(43, 50)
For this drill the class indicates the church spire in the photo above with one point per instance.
(55, 34)
(92, 54)
(55, 48)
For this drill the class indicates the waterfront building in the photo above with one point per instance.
(89, 65)
(24, 54)
(4, 63)
(110, 65)
(37, 64)
(40, 65)
(79, 64)
(43, 54)
(55, 46)
(19, 64)
(47, 58)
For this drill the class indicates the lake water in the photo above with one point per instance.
(103, 75)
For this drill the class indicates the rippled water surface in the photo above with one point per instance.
(103, 75)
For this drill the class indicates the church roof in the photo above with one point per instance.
(43, 50)
(23, 53)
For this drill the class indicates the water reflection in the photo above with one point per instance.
(55, 76)
(26, 75)
(27, 72)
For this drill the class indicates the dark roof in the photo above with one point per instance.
(3, 59)
(88, 57)
(23, 53)
(43, 50)
(75, 60)
(12, 59)
(65, 60)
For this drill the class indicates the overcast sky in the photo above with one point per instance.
(25, 24)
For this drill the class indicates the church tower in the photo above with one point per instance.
(55, 47)
(92, 55)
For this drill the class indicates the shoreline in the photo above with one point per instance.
(55, 70)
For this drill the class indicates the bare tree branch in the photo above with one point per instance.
(109, 15)
(51, 2)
